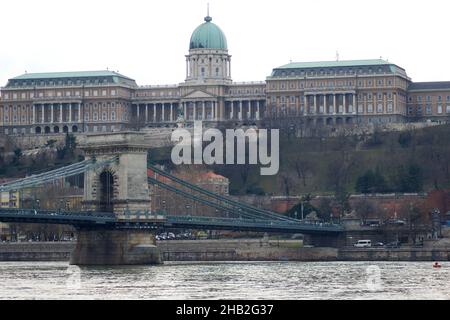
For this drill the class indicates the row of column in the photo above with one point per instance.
(321, 104)
(148, 112)
(169, 112)
(200, 110)
(244, 109)
(58, 109)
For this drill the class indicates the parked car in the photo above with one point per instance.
(378, 244)
(363, 244)
(393, 244)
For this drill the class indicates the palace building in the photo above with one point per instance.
(310, 93)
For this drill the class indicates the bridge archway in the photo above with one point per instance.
(106, 188)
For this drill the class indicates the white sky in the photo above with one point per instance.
(147, 40)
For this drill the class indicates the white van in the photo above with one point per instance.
(363, 244)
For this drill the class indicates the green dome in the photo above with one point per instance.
(209, 36)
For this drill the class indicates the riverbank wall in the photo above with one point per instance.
(234, 250)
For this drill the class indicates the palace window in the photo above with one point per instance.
(113, 92)
(439, 108)
(379, 108)
(86, 116)
(439, 98)
(447, 109)
(419, 99)
(95, 93)
(419, 109)
(389, 82)
(369, 108)
(95, 116)
(390, 96)
(448, 98)
(203, 72)
(292, 99)
(360, 108)
(428, 98)
(104, 116)
(389, 107)
(410, 110)
(428, 110)
(369, 83)
(104, 93)
(380, 96)
(113, 115)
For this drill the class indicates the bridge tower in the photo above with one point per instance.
(119, 188)
(123, 185)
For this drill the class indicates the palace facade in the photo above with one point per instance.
(315, 93)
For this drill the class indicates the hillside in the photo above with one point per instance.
(408, 161)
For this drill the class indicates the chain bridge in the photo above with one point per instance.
(117, 226)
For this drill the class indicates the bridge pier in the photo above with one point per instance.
(115, 247)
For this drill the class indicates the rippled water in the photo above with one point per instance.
(256, 280)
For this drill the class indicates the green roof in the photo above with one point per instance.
(209, 36)
(76, 74)
(329, 64)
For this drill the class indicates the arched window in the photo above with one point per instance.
(95, 116)
(113, 115)
(104, 116)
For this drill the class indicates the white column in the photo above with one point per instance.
(344, 102)
(79, 112)
(60, 113)
(34, 114)
(154, 112)
(305, 105)
(137, 112)
(146, 112)
(70, 113)
(185, 111)
(334, 103)
(354, 103)
(232, 109)
(195, 110)
(257, 110)
(325, 108)
(203, 110)
(315, 104)
(249, 112)
(171, 112)
(240, 109)
(216, 110)
(43, 111)
(51, 115)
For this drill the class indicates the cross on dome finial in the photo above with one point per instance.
(207, 18)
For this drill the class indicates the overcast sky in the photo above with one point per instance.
(147, 40)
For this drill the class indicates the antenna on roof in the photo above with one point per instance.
(207, 9)
(107, 68)
(26, 71)
(337, 55)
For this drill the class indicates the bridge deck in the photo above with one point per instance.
(108, 220)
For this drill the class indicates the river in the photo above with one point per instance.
(227, 280)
